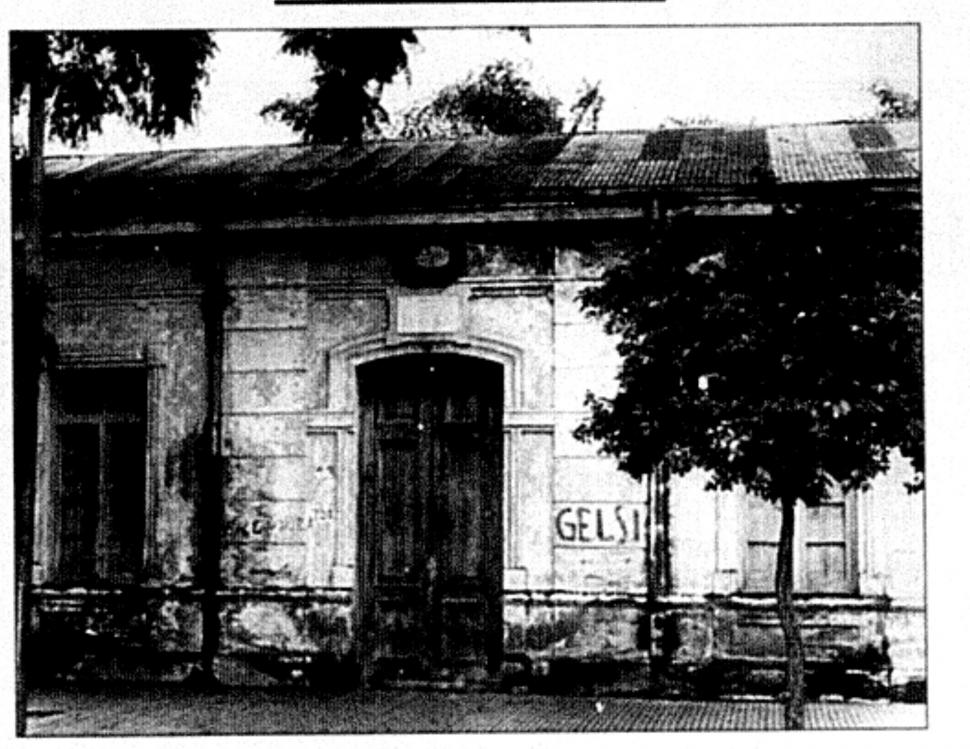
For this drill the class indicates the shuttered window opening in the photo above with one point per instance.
(824, 546)
(100, 474)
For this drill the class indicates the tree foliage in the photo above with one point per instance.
(352, 67)
(499, 100)
(586, 109)
(151, 79)
(895, 104)
(785, 357)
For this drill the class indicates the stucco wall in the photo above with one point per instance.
(270, 523)
(886, 609)
(299, 321)
(114, 305)
(111, 309)
(600, 516)
(708, 532)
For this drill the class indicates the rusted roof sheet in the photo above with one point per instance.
(474, 173)
(57, 167)
(905, 134)
(844, 152)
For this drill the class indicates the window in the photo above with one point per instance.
(825, 537)
(763, 526)
(824, 552)
(100, 465)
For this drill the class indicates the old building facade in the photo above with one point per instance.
(382, 351)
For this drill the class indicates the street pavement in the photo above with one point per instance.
(176, 710)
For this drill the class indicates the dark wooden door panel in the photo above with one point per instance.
(465, 630)
(460, 498)
(430, 509)
(398, 510)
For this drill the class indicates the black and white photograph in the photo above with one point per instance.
(540, 378)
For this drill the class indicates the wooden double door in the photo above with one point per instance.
(430, 515)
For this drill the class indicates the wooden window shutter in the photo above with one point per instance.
(761, 548)
(826, 551)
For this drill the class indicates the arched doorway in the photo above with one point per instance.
(430, 548)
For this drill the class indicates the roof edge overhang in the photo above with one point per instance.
(511, 215)
(629, 207)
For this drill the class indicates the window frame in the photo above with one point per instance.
(850, 587)
(144, 366)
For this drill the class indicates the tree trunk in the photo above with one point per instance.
(211, 507)
(794, 651)
(645, 636)
(28, 335)
(29, 343)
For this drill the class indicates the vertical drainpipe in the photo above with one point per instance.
(663, 508)
(209, 573)
(658, 562)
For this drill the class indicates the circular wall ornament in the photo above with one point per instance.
(433, 257)
(431, 265)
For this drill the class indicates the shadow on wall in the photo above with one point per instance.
(181, 479)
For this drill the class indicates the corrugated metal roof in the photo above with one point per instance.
(905, 133)
(843, 152)
(474, 173)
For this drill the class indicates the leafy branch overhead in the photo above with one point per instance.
(151, 79)
(354, 65)
(352, 68)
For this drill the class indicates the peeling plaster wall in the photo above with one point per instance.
(707, 544)
(707, 550)
(599, 513)
(268, 517)
(133, 306)
(295, 330)
(575, 529)
(892, 538)
(104, 322)
(288, 626)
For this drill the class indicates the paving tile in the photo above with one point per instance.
(169, 711)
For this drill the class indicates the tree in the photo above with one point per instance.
(354, 65)
(784, 358)
(352, 68)
(70, 81)
(150, 79)
(895, 104)
(499, 101)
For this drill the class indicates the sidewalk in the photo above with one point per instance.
(173, 710)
